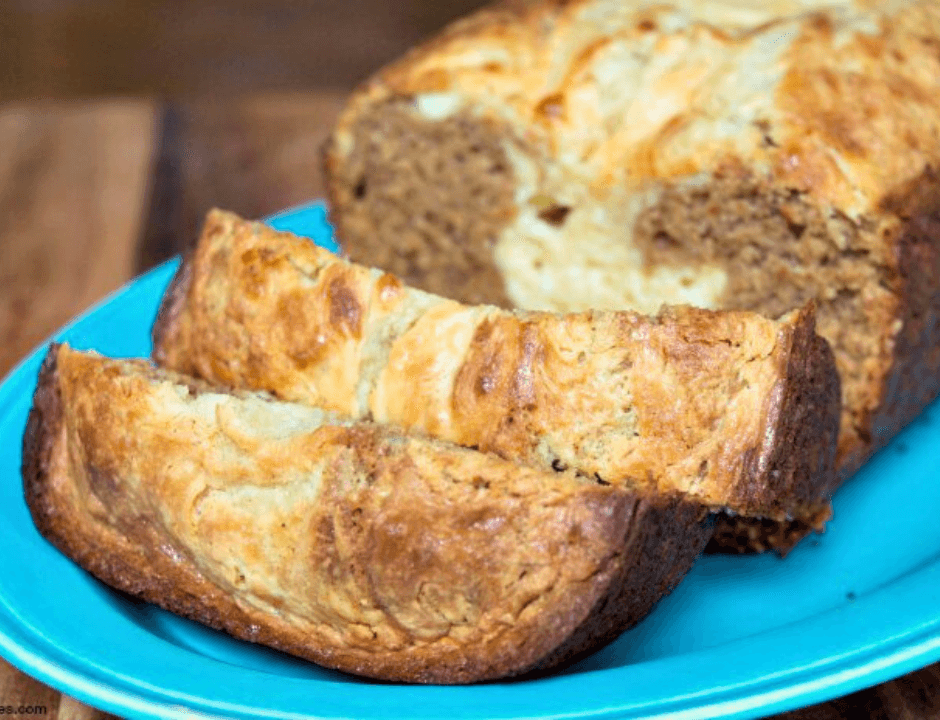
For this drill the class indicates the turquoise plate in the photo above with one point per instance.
(741, 637)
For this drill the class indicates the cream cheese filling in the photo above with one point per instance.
(588, 259)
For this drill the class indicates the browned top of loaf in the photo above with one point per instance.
(736, 409)
(384, 555)
(848, 92)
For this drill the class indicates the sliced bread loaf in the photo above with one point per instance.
(365, 550)
(733, 409)
(609, 155)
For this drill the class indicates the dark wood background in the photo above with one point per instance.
(121, 123)
(80, 48)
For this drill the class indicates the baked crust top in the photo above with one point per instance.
(739, 410)
(359, 548)
(838, 99)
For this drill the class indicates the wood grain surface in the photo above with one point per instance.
(73, 182)
(92, 193)
(72, 48)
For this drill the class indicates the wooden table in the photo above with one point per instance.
(93, 193)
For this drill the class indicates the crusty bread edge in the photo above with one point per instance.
(807, 352)
(171, 305)
(665, 538)
(915, 368)
(659, 541)
(806, 432)
(42, 426)
(155, 578)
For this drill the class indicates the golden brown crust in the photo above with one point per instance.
(913, 380)
(692, 400)
(391, 557)
(737, 534)
(806, 416)
(174, 300)
(847, 92)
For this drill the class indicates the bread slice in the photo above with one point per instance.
(609, 155)
(732, 409)
(386, 555)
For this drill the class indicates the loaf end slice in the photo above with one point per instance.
(388, 556)
(732, 408)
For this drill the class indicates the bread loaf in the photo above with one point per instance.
(362, 549)
(733, 409)
(740, 155)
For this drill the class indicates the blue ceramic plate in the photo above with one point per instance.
(741, 637)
